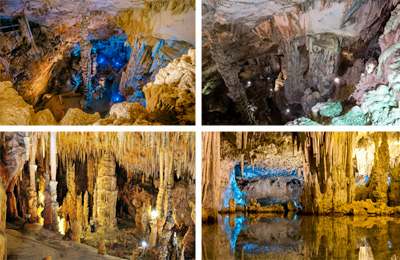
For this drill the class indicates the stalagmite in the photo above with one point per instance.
(32, 178)
(377, 186)
(102, 247)
(86, 209)
(53, 182)
(210, 174)
(106, 192)
(3, 212)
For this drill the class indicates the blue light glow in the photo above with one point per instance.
(232, 191)
(101, 59)
(390, 244)
(248, 172)
(77, 52)
(233, 232)
(366, 179)
(117, 99)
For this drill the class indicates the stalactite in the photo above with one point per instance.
(86, 60)
(327, 159)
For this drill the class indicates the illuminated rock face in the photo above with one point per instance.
(106, 196)
(173, 91)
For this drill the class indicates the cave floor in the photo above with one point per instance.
(35, 242)
(291, 236)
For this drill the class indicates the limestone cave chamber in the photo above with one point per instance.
(301, 62)
(97, 195)
(304, 195)
(97, 62)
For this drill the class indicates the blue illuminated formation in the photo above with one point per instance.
(248, 172)
(233, 232)
(232, 191)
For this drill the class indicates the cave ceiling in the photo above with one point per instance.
(64, 17)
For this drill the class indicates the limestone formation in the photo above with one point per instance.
(102, 247)
(173, 90)
(104, 176)
(14, 109)
(106, 192)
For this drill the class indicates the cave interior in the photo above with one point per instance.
(303, 195)
(137, 188)
(97, 62)
(313, 62)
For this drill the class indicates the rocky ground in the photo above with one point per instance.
(35, 242)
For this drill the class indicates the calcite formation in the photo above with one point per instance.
(106, 193)
(120, 180)
(173, 91)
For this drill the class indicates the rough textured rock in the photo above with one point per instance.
(173, 90)
(130, 111)
(14, 110)
(44, 117)
(76, 116)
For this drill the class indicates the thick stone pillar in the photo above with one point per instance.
(53, 182)
(3, 214)
(106, 189)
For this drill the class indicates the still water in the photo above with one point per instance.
(272, 236)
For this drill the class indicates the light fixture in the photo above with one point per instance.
(144, 244)
(154, 214)
(288, 110)
(248, 83)
(337, 80)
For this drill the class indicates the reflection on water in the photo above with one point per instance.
(272, 236)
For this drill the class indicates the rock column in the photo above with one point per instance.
(53, 182)
(106, 189)
(3, 213)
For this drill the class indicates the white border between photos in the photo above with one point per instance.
(198, 128)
